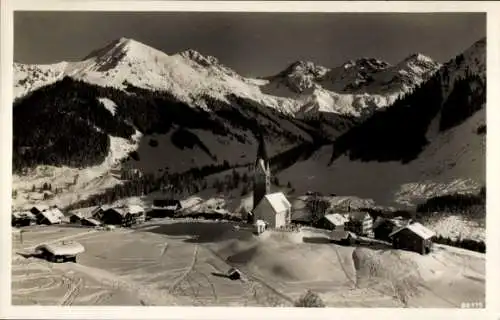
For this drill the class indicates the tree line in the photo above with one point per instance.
(455, 203)
(468, 244)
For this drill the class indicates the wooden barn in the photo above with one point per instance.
(360, 223)
(274, 209)
(114, 216)
(50, 216)
(413, 237)
(165, 208)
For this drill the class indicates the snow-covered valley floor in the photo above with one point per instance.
(180, 262)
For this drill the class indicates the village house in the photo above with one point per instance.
(21, 219)
(274, 209)
(333, 221)
(413, 237)
(50, 216)
(360, 223)
(126, 215)
(165, 208)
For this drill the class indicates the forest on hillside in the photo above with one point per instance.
(64, 123)
(398, 132)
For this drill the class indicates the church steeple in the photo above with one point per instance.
(262, 151)
(262, 173)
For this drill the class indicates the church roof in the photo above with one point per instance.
(278, 201)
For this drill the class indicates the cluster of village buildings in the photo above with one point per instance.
(269, 211)
(273, 210)
(95, 216)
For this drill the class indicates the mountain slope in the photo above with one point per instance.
(401, 132)
(138, 129)
(429, 143)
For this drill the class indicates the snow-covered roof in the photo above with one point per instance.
(416, 228)
(119, 210)
(164, 207)
(134, 209)
(166, 203)
(23, 215)
(104, 207)
(278, 201)
(260, 223)
(336, 219)
(54, 215)
(93, 221)
(63, 248)
(85, 212)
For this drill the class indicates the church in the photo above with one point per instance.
(272, 208)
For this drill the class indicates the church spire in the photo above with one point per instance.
(262, 174)
(262, 150)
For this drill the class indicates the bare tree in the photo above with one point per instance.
(317, 206)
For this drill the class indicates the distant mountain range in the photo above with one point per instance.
(189, 76)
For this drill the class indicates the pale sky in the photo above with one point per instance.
(253, 44)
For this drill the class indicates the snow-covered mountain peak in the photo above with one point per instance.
(366, 64)
(418, 62)
(305, 67)
(300, 76)
(123, 49)
(199, 58)
(417, 56)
